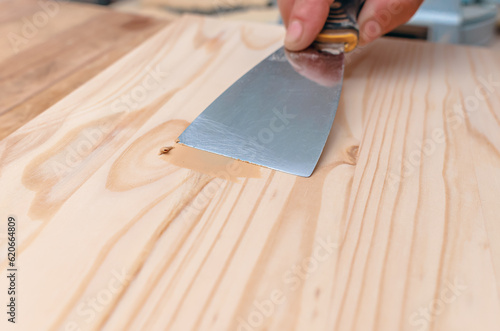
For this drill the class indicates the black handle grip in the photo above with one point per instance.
(341, 26)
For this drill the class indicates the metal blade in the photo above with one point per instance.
(278, 115)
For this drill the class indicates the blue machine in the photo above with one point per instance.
(454, 21)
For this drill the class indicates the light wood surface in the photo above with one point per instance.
(74, 42)
(262, 14)
(397, 229)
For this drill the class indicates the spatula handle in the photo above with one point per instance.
(341, 25)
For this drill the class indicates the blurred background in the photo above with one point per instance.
(471, 22)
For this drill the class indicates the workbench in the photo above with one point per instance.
(43, 61)
(397, 228)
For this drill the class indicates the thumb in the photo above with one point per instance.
(304, 23)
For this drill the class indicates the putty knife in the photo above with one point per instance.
(280, 113)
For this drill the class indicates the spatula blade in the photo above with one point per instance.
(278, 115)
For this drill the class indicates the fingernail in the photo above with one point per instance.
(294, 32)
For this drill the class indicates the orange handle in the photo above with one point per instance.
(341, 26)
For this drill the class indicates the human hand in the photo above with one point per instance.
(304, 19)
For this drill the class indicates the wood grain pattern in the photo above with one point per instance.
(397, 229)
(42, 69)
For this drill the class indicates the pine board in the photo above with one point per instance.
(397, 229)
(71, 46)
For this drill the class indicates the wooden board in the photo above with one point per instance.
(38, 69)
(397, 229)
